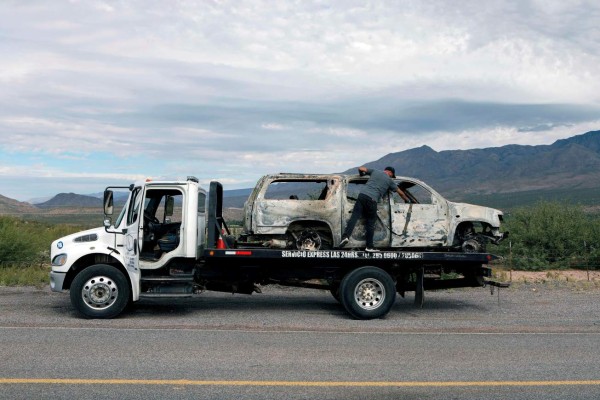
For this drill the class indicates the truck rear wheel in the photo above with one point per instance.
(100, 291)
(367, 293)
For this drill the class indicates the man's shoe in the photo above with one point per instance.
(344, 241)
(371, 250)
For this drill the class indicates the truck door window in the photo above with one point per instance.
(134, 207)
(160, 211)
(201, 203)
(354, 188)
(415, 191)
(297, 190)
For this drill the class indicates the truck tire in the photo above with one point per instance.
(367, 293)
(100, 291)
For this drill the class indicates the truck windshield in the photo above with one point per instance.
(120, 198)
(120, 218)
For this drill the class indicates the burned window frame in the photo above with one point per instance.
(320, 193)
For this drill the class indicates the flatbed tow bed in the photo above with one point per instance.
(365, 283)
(421, 270)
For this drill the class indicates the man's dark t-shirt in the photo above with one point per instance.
(378, 184)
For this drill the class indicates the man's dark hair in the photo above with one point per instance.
(392, 170)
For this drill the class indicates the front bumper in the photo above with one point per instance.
(57, 280)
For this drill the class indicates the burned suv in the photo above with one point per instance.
(310, 212)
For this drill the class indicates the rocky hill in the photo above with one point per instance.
(71, 200)
(11, 206)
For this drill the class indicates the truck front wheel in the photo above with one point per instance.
(100, 291)
(367, 293)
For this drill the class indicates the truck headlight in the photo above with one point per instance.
(59, 260)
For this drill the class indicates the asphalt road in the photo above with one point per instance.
(532, 342)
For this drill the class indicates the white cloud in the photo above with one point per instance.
(500, 136)
(240, 88)
(273, 126)
(44, 171)
(339, 132)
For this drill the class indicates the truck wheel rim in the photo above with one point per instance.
(100, 292)
(369, 294)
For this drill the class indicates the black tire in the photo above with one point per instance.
(367, 293)
(100, 291)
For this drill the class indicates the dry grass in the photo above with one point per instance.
(590, 279)
(15, 275)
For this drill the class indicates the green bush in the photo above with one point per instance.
(552, 235)
(28, 242)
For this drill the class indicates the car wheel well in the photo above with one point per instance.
(317, 234)
(471, 236)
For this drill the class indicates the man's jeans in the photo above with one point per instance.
(365, 207)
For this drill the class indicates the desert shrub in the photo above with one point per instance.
(28, 242)
(552, 235)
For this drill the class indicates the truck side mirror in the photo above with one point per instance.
(170, 204)
(108, 202)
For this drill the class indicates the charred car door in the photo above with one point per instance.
(382, 231)
(423, 222)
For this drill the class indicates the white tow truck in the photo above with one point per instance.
(170, 240)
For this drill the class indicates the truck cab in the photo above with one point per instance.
(160, 229)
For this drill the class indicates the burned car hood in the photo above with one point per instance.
(467, 212)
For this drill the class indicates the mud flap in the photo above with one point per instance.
(419, 287)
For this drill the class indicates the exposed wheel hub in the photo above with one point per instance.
(472, 246)
(309, 240)
(369, 293)
(99, 292)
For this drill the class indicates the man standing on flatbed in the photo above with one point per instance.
(379, 183)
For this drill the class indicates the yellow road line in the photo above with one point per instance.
(185, 382)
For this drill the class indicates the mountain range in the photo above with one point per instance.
(568, 169)
(572, 163)
(508, 176)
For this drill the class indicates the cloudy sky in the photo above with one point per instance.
(94, 93)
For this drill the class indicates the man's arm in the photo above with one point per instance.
(403, 195)
(362, 171)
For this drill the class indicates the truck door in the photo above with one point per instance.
(201, 233)
(424, 223)
(133, 244)
(382, 232)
